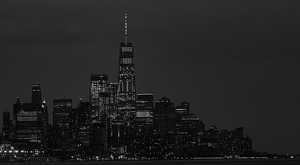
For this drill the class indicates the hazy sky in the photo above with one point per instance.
(235, 62)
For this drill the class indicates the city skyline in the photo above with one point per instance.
(239, 80)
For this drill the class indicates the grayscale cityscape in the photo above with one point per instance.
(117, 122)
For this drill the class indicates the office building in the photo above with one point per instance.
(36, 93)
(144, 113)
(31, 120)
(6, 127)
(62, 109)
(164, 115)
(126, 83)
(99, 98)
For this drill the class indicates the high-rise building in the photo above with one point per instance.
(99, 113)
(6, 125)
(116, 120)
(36, 93)
(31, 120)
(146, 99)
(144, 113)
(29, 125)
(16, 109)
(164, 115)
(246, 146)
(183, 108)
(113, 91)
(234, 143)
(99, 98)
(112, 113)
(126, 82)
(62, 109)
(80, 128)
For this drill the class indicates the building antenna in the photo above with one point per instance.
(126, 28)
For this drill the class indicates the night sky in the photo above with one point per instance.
(236, 62)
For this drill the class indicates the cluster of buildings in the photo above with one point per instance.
(115, 121)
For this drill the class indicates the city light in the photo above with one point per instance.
(115, 123)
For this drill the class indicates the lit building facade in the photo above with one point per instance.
(31, 120)
(188, 135)
(144, 113)
(183, 108)
(126, 83)
(99, 98)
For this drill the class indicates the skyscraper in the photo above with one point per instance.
(164, 115)
(126, 82)
(62, 109)
(144, 113)
(6, 125)
(99, 111)
(99, 98)
(80, 128)
(31, 120)
(36, 94)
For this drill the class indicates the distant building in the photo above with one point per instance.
(99, 98)
(97, 140)
(246, 146)
(31, 120)
(183, 108)
(62, 109)
(188, 135)
(231, 142)
(126, 84)
(144, 113)
(80, 128)
(209, 146)
(164, 115)
(36, 94)
(6, 128)
(122, 118)
(114, 127)
(100, 108)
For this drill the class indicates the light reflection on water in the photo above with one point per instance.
(175, 162)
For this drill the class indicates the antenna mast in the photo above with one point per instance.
(126, 28)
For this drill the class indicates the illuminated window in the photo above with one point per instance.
(126, 49)
(126, 61)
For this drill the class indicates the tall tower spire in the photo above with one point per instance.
(126, 28)
(123, 122)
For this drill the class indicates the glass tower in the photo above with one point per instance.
(126, 82)
(99, 97)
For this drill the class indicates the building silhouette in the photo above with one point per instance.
(80, 128)
(31, 122)
(164, 115)
(246, 146)
(144, 113)
(116, 121)
(6, 127)
(36, 93)
(62, 109)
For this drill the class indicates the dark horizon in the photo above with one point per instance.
(235, 62)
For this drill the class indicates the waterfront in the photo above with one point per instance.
(178, 162)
